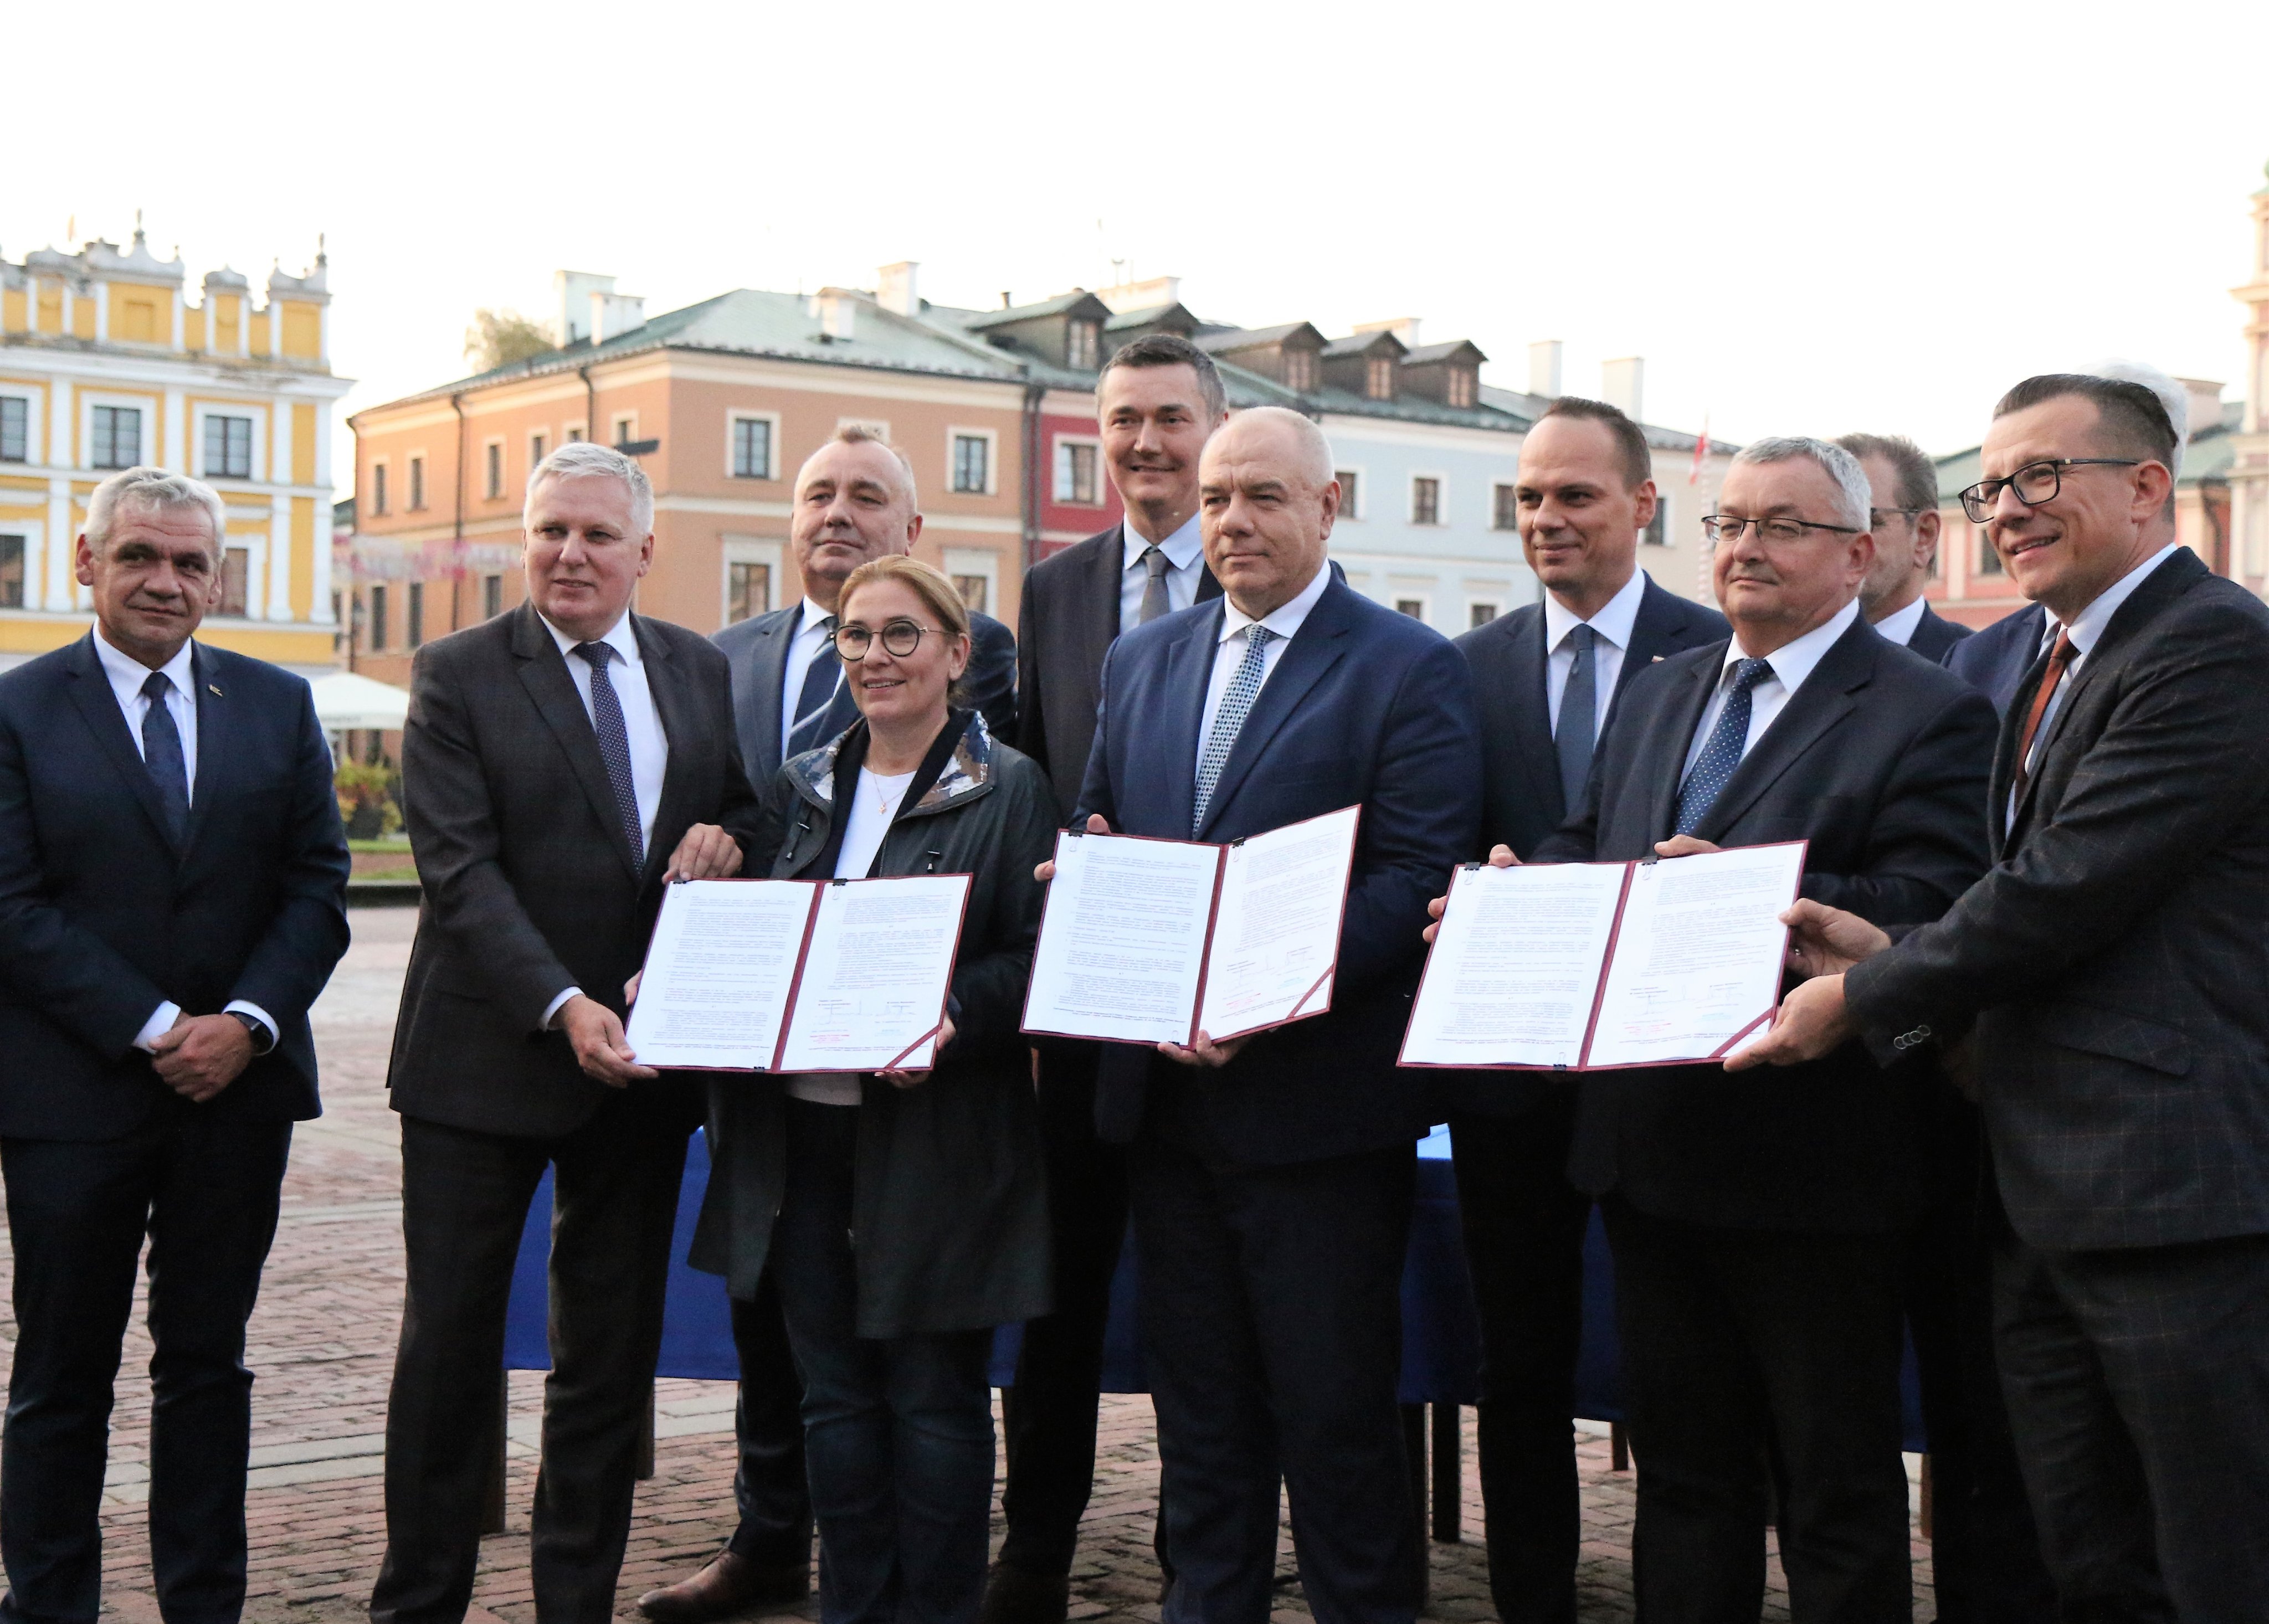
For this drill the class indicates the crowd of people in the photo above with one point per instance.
(2015, 1102)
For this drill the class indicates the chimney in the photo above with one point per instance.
(836, 313)
(575, 292)
(1404, 328)
(1620, 385)
(897, 288)
(1544, 369)
(2206, 404)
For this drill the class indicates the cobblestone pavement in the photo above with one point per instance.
(323, 1344)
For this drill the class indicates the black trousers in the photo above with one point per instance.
(1739, 1342)
(770, 1489)
(1985, 1551)
(1272, 1331)
(465, 1198)
(203, 1188)
(1523, 1227)
(2139, 1390)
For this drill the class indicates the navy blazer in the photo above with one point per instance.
(1364, 705)
(103, 918)
(1935, 637)
(756, 650)
(1995, 660)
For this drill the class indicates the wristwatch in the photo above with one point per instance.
(255, 1028)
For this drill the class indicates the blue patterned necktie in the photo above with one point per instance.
(614, 744)
(1235, 700)
(1723, 751)
(822, 681)
(1579, 705)
(162, 754)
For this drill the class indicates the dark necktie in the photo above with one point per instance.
(614, 744)
(162, 754)
(1155, 602)
(2059, 657)
(1235, 700)
(1722, 753)
(821, 679)
(1578, 715)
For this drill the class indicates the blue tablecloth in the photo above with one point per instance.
(1441, 1334)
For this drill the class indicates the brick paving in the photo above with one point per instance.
(323, 1344)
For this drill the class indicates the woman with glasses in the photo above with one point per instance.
(902, 1214)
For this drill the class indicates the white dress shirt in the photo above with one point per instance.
(875, 803)
(1285, 620)
(127, 675)
(1613, 624)
(1185, 553)
(809, 643)
(1792, 662)
(1899, 626)
(649, 747)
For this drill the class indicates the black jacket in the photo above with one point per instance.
(950, 1206)
(1935, 637)
(2116, 957)
(1880, 760)
(1995, 660)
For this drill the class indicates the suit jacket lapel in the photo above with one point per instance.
(1823, 701)
(543, 673)
(1528, 668)
(760, 695)
(674, 704)
(1315, 649)
(98, 707)
(1679, 722)
(216, 746)
(1102, 605)
(1189, 669)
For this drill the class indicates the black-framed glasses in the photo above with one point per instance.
(1722, 528)
(900, 638)
(2035, 484)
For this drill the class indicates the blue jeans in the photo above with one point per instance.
(898, 1434)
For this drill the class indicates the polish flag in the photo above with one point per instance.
(1701, 451)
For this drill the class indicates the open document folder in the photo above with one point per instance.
(1585, 966)
(799, 974)
(1156, 941)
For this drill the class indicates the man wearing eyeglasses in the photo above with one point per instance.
(1903, 518)
(2108, 970)
(1758, 1229)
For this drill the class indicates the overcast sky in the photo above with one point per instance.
(1806, 219)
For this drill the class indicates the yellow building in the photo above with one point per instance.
(103, 363)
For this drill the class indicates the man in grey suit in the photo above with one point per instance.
(2108, 971)
(561, 765)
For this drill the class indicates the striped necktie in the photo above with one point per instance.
(614, 745)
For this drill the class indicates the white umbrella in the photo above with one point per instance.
(346, 702)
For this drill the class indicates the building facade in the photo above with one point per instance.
(2248, 475)
(106, 363)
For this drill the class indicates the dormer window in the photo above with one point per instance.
(1299, 371)
(1378, 377)
(1462, 387)
(1081, 341)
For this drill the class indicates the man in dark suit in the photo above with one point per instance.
(1758, 1232)
(1158, 401)
(2108, 968)
(1271, 1178)
(1903, 482)
(1585, 490)
(560, 765)
(1995, 660)
(173, 887)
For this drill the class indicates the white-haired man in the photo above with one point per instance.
(172, 896)
(560, 765)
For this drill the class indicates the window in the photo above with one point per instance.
(1076, 467)
(752, 447)
(377, 618)
(1478, 614)
(1378, 377)
(748, 591)
(491, 596)
(12, 572)
(1505, 507)
(575, 432)
(1658, 528)
(1464, 386)
(625, 428)
(378, 487)
(1300, 370)
(1415, 608)
(1081, 339)
(537, 445)
(117, 436)
(416, 483)
(235, 582)
(971, 588)
(972, 458)
(1989, 562)
(494, 459)
(416, 615)
(228, 448)
(1350, 492)
(15, 429)
(1425, 501)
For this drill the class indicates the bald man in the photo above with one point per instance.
(1270, 1177)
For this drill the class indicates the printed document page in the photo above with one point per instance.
(876, 975)
(1122, 943)
(718, 973)
(1697, 962)
(1276, 936)
(1516, 967)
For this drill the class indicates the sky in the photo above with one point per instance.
(1807, 218)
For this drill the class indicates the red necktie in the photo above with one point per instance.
(2059, 657)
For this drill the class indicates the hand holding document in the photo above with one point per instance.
(799, 974)
(1155, 941)
(1585, 966)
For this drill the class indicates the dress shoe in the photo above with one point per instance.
(1014, 1597)
(728, 1586)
